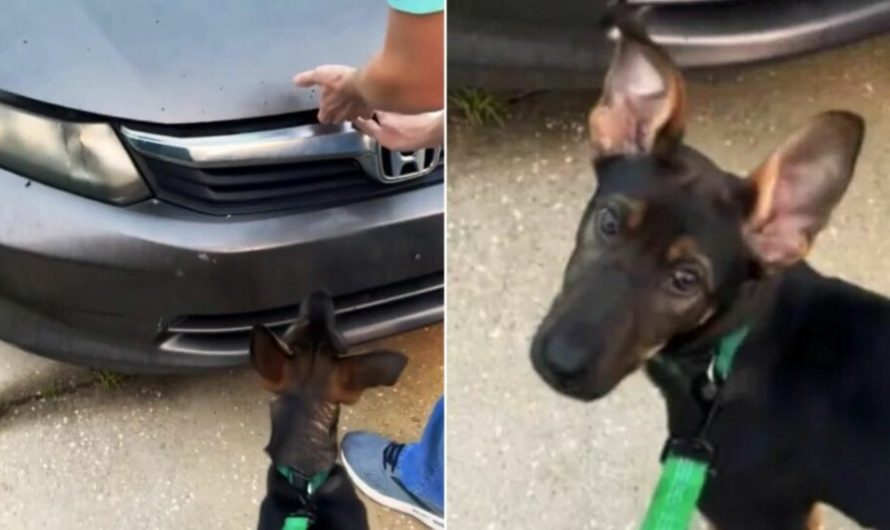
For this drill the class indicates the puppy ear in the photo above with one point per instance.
(269, 357)
(357, 373)
(643, 105)
(795, 190)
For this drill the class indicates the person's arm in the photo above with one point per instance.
(407, 75)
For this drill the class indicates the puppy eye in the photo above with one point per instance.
(608, 223)
(685, 280)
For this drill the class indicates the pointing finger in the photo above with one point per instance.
(306, 79)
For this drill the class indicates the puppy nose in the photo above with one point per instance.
(565, 356)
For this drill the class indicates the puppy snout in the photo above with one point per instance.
(564, 352)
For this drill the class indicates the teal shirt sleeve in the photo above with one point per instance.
(418, 7)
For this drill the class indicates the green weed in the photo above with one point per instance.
(108, 379)
(479, 107)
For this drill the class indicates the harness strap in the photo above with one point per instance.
(687, 462)
(301, 520)
(727, 349)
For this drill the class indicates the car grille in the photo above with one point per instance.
(361, 316)
(298, 186)
(270, 166)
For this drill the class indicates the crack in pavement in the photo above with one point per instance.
(58, 391)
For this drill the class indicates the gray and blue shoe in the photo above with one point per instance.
(371, 461)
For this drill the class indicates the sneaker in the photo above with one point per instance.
(371, 460)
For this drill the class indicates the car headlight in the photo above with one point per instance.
(84, 158)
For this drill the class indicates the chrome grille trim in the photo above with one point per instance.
(275, 146)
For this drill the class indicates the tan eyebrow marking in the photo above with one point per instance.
(636, 214)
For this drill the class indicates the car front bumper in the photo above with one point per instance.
(156, 288)
(566, 46)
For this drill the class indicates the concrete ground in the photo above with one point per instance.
(168, 452)
(519, 456)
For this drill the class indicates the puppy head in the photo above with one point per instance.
(669, 239)
(310, 359)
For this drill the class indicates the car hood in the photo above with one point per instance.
(183, 61)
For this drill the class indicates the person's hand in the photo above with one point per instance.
(340, 99)
(404, 132)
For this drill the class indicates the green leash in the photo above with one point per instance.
(687, 462)
(301, 521)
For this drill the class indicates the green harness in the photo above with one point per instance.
(301, 520)
(688, 461)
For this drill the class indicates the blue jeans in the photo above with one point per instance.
(421, 467)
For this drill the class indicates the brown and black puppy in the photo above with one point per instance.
(674, 253)
(311, 376)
